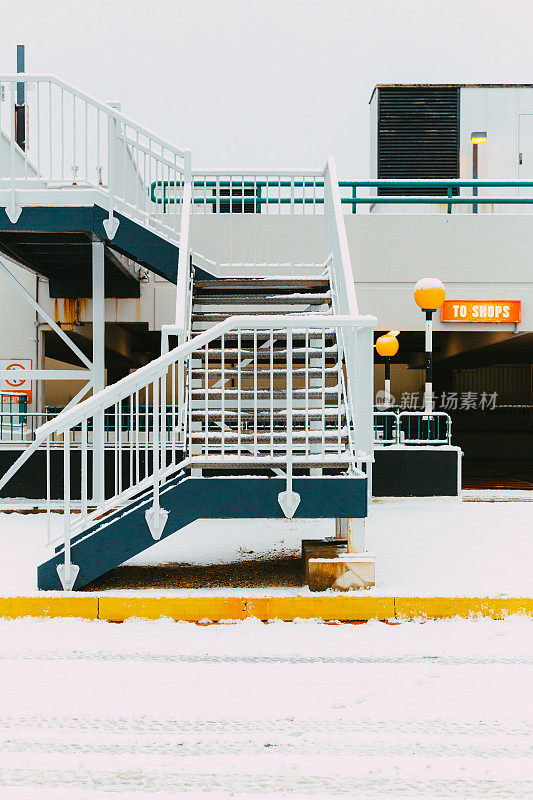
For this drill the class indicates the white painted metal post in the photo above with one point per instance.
(356, 535)
(289, 500)
(98, 367)
(67, 572)
(428, 399)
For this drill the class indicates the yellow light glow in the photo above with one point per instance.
(478, 137)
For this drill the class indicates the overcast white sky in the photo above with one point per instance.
(266, 83)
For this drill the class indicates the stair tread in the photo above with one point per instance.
(329, 412)
(219, 462)
(219, 316)
(257, 283)
(328, 435)
(265, 394)
(245, 372)
(254, 299)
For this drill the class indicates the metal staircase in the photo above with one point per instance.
(238, 387)
(260, 404)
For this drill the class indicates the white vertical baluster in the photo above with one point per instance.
(218, 222)
(137, 439)
(223, 394)
(62, 119)
(130, 435)
(48, 493)
(307, 384)
(155, 444)
(173, 412)
(271, 348)
(242, 220)
(239, 394)
(206, 399)
(86, 143)
(116, 453)
(230, 192)
(146, 429)
(289, 500)
(256, 210)
(84, 468)
(163, 423)
(323, 392)
(50, 137)
(255, 395)
(69, 574)
(339, 387)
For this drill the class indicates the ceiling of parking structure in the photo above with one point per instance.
(463, 349)
(512, 349)
(66, 260)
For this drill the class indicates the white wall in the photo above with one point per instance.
(477, 258)
(17, 331)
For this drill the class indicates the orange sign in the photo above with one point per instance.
(18, 384)
(480, 311)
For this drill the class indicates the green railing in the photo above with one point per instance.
(250, 196)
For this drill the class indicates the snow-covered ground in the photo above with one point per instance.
(156, 709)
(423, 547)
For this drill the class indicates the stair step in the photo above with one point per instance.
(262, 283)
(263, 356)
(248, 373)
(314, 335)
(267, 462)
(279, 415)
(260, 300)
(215, 437)
(219, 316)
(266, 394)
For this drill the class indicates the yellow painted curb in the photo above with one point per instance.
(83, 607)
(187, 609)
(442, 607)
(345, 608)
(328, 607)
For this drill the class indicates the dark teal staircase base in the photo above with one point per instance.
(124, 534)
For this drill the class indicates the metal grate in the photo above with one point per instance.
(418, 136)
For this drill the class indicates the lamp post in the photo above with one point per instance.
(477, 138)
(429, 296)
(387, 347)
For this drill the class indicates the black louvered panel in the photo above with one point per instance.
(418, 135)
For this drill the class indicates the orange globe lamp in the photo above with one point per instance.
(387, 347)
(429, 296)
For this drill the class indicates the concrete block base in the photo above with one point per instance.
(322, 548)
(346, 571)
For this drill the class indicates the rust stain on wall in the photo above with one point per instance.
(73, 312)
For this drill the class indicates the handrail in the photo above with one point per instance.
(338, 237)
(26, 77)
(353, 200)
(80, 142)
(128, 384)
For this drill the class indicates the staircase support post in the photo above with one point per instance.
(67, 572)
(289, 500)
(98, 367)
(156, 517)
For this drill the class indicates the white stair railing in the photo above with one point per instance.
(77, 144)
(152, 453)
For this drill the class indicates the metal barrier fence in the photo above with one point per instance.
(412, 428)
(260, 195)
